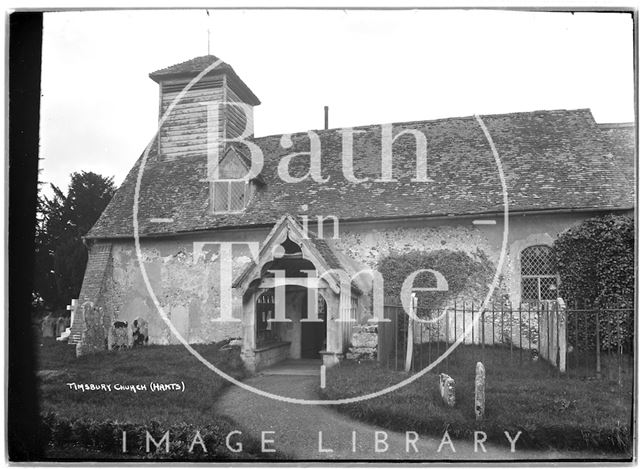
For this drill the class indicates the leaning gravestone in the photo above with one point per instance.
(480, 383)
(48, 326)
(448, 389)
(118, 337)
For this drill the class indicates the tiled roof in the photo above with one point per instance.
(556, 160)
(192, 67)
(622, 142)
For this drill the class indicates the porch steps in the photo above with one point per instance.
(294, 368)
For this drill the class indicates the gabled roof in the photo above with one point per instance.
(234, 149)
(552, 160)
(313, 248)
(193, 67)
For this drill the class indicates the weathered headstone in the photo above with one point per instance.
(48, 326)
(65, 332)
(140, 331)
(448, 389)
(130, 335)
(60, 326)
(480, 384)
(118, 337)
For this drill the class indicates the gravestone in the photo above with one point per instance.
(130, 335)
(66, 330)
(119, 336)
(140, 332)
(480, 385)
(61, 325)
(48, 326)
(448, 389)
(94, 336)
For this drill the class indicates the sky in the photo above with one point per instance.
(99, 107)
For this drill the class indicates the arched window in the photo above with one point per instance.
(538, 279)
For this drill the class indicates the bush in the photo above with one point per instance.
(595, 262)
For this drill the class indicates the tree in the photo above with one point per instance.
(61, 255)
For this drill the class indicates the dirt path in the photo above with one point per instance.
(297, 428)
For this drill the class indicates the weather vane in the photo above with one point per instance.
(208, 36)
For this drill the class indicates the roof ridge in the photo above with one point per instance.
(183, 67)
(614, 125)
(441, 119)
(556, 159)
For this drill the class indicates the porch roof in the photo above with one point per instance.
(315, 249)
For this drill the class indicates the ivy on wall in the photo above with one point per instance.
(464, 273)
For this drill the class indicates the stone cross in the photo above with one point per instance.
(448, 389)
(480, 386)
(72, 308)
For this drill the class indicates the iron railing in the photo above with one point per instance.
(578, 340)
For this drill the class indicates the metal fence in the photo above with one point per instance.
(579, 340)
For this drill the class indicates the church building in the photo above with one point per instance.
(283, 259)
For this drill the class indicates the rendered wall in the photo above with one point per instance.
(189, 292)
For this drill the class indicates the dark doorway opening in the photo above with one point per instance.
(314, 334)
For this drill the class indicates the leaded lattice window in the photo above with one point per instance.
(230, 196)
(230, 192)
(538, 278)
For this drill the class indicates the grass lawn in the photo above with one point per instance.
(73, 415)
(552, 412)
